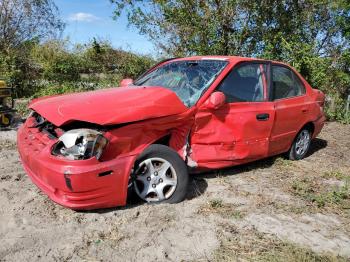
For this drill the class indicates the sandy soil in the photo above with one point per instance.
(238, 213)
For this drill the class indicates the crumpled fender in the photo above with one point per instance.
(133, 138)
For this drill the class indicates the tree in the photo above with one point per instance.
(24, 20)
(23, 25)
(239, 27)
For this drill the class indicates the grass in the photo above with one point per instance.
(217, 206)
(320, 194)
(283, 162)
(336, 174)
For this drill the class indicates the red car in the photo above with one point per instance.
(85, 150)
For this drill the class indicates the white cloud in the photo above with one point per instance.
(83, 17)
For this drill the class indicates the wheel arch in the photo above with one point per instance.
(163, 140)
(309, 126)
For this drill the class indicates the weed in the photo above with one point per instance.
(237, 214)
(216, 203)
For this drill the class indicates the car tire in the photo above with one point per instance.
(160, 175)
(301, 145)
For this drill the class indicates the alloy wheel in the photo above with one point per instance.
(155, 180)
(302, 142)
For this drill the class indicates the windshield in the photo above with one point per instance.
(188, 79)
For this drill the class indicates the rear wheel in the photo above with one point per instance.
(160, 175)
(300, 145)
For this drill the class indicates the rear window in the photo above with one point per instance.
(285, 83)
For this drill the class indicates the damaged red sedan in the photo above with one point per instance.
(86, 150)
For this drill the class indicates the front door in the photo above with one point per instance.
(239, 131)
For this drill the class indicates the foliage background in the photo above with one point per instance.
(311, 35)
(38, 69)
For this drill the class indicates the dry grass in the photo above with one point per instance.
(7, 145)
(250, 245)
(111, 237)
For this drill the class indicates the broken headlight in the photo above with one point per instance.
(80, 144)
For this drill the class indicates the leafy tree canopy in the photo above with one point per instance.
(24, 20)
(240, 27)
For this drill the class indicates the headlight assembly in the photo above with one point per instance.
(78, 144)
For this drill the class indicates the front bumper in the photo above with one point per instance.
(84, 184)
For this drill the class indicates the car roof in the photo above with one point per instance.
(231, 59)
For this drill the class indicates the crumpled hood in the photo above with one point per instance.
(109, 106)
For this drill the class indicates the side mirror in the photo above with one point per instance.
(126, 82)
(216, 100)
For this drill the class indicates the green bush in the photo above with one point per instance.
(335, 110)
(55, 67)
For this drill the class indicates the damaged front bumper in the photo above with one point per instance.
(77, 184)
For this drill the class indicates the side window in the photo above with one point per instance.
(285, 83)
(244, 84)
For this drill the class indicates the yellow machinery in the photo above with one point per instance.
(7, 111)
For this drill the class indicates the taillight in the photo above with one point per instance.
(320, 98)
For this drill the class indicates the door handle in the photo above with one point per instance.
(304, 110)
(262, 117)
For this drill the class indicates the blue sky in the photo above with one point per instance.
(86, 19)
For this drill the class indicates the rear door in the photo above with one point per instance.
(291, 105)
(239, 131)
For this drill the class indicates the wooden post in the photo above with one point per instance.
(330, 103)
(347, 109)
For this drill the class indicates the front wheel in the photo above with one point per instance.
(160, 175)
(301, 145)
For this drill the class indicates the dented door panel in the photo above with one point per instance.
(231, 134)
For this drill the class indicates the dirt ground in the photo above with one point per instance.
(272, 209)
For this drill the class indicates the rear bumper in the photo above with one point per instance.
(318, 124)
(83, 184)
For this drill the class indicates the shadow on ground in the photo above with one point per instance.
(316, 145)
(198, 184)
